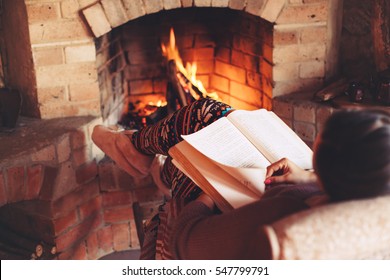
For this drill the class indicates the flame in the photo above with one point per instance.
(171, 52)
(159, 103)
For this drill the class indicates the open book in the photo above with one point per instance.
(228, 158)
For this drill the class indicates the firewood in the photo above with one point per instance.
(331, 91)
(176, 87)
(22, 247)
(186, 82)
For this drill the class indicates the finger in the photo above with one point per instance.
(276, 180)
(275, 167)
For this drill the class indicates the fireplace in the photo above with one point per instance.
(63, 81)
(240, 49)
(78, 63)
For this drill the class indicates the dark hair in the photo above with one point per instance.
(352, 158)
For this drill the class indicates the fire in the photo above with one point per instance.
(186, 75)
(139, 113)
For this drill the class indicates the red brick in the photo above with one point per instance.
(134, 241)
(63, 149)
(74, 235)
(3, 193)
(16, 189)
(229, 71)
(124, 181)
(78, 252)
(117, 198)
(70, 201)
(118, 214)
(106, 177)
(92, 244)
(105, 239)
(34, 181)
(65, 182)
(223, 54)
(63, 223)
(45, 154)
(78, 139)
(238, 58)
(86, 172)
(80, 156)
(49, 180)
(121, 237)
(90, 208)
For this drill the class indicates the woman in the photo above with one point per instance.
(351, 160)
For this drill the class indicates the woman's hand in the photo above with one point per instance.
(285, 171)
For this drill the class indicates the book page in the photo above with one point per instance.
(214, 181)
(224, 143)
(272, 136)
(252, 178)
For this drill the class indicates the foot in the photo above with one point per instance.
(117, 145)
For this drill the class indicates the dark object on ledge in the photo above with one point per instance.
(356, 92)
(10, 104)
(382, 94)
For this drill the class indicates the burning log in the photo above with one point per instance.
(16, 246)
(180, 90)
(183, 87)
(188, 85)
(175, 94)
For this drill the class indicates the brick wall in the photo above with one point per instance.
(63, 80)
(303, 115)
(59, 189)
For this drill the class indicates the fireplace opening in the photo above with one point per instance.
(232, 50)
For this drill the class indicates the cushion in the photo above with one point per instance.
(358, 229)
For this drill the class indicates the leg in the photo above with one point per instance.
(135, 151)
(158, 138)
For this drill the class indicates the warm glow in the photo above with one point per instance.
(159, 103)
(171, 52)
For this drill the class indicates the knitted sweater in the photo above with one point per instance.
(200, 233)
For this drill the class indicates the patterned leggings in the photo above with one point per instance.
(158, 138)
